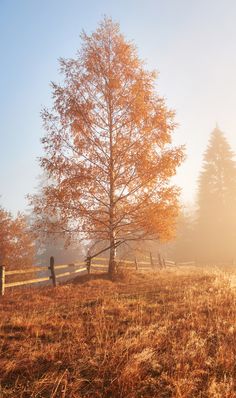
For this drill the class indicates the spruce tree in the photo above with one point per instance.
(216, 218)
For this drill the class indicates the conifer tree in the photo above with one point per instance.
(216, 218)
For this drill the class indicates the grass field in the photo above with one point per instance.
(165, 334)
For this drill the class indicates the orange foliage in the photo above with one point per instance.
(108, 147)
(16, 242)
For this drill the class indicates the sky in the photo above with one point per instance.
(191, 43)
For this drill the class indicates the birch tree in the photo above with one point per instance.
(108, 147)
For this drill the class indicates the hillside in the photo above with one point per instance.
(165, 334)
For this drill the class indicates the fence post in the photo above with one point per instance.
(2, 280)
(159, 260)
(71, 268)
(53, 274)
(88, 263)
(151, 260)
(136, 264)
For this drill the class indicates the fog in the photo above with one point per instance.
(207, 232)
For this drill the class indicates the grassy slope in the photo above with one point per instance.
(169, 334)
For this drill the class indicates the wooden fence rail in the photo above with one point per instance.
(186, 263)
(90, 264)
(51, 270)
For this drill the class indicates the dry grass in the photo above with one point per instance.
(168, 334)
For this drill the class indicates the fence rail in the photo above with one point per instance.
(90, 264)
(27, 282)
(23, 271)
(186, 263)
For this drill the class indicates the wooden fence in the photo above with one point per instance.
(87, 266)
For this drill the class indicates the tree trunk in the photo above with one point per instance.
(112, 260)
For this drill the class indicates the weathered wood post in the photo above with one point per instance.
(151, 260)
(2, 280)
(71, 268)
(88, 263)
(136, 264)
(52, 269)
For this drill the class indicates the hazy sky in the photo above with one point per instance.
(192, 43)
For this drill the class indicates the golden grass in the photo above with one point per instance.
(167, 334)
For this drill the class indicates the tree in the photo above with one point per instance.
(53, 244)
(5, 228)
(17, 248)
(182, 248)
(216, 218)
(56, 246)
(108, 147)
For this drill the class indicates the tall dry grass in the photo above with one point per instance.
(168, 334)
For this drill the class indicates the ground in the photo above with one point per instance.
(170, 333)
